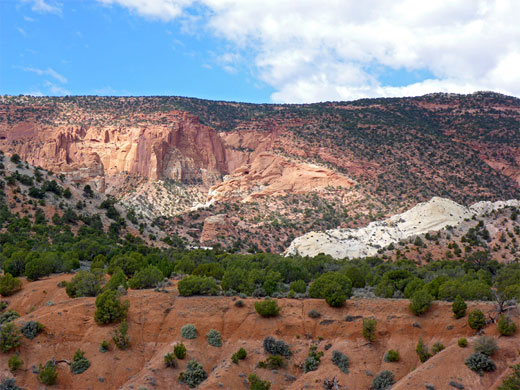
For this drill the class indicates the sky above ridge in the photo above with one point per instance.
(281, 51)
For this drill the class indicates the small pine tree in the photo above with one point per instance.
(459, 307)
(506, 326)
(422, 351)
(369, 329)
(476, 319)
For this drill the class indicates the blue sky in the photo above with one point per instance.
(99, 50)
(258, 51)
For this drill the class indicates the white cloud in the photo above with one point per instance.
(154, 9)
(311, 50)
(43, 7)
(56, 89)
(47, 72)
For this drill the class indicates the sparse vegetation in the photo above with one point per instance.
(384, 380)
(10, 337)
(369, 329)
(241, 354)
(506, 326)
(120, 336)
(170, 360)
(109, 307)
(341, 361)
(189, 332)
(480, 363)
(48, 374)
(276, 347)
(392, 356)
(179, 350)
(255, 383)
(14, 362)
(79, 363)
(214, 338)
(422, 351)
(31, 329)
(267, 308)
(476, 319)
(194, 374)
(459, 307)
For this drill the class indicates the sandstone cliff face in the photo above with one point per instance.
(181, 149)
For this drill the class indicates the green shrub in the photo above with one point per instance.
(179, 350)
(84, 284)
(462, 342)
(31, 329)
(98, 262)
(422, 351)
(148, 277)
(104, 346)
(313, 359)
(480, 363)
(267, 308)
(109, 308)
(486, 345)
(80, 363)
(476, 319)
(9, 285)
(369, 329)
(8, 316)
(333, 285)
(170, 360)
(298, 286)
(356, 276)
(189, 332)
(420, 302)
(506, 326)
(213, 270)
(384, 380)
(197, 285)
(9, 384)
(14, 363)
(310, 364)
(255, 383)
(214, 338)
(341, 361)
(334, 296)
(194, 374)
(459, 307)
(314, 314)
(120, 336)
(392, 356)
(273, 362)
(511, 382)
(241, 354)
(47, 374)
(10, 337)
(117, 279)
(276, 347)
(437, 347)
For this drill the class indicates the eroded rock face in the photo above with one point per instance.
(181, 149)
(434, 215)
(272, 175)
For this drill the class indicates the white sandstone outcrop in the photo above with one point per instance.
(430, 216)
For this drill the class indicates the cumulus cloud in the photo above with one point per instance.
(154, 9)
(312, 50)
